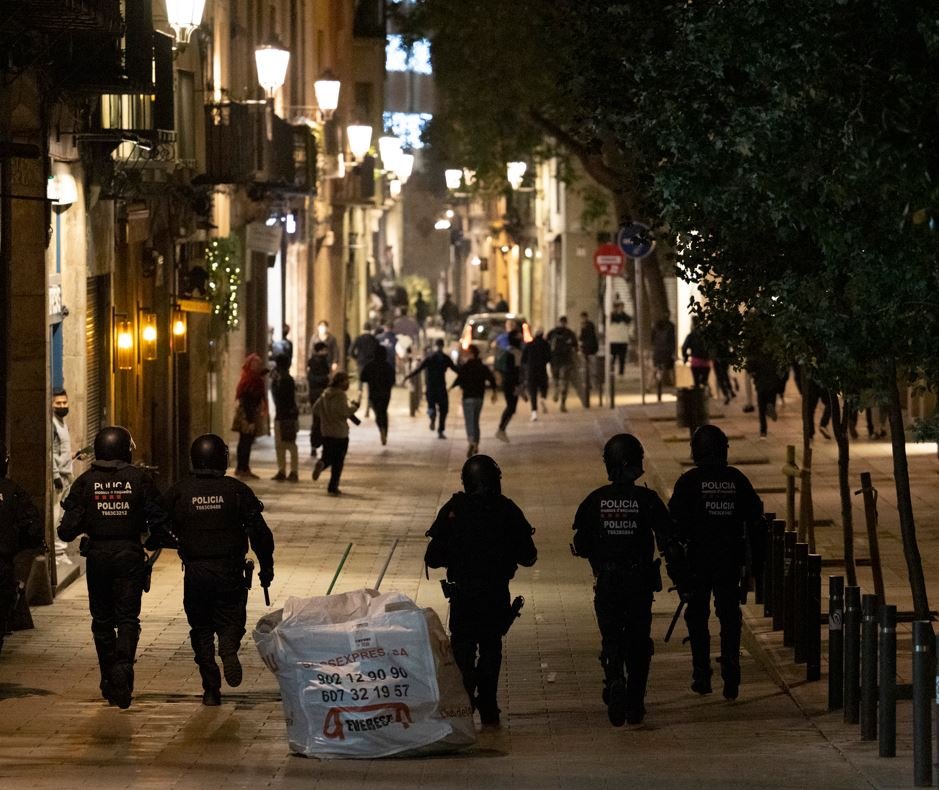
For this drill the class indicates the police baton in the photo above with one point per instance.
(267, 595)
(671, 625)
(148, 568)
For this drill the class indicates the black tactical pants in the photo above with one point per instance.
(725, 586)
(477, 624)
(623, 603)
(214, 597)
(115, 576)
(7, 595)
(438, 406)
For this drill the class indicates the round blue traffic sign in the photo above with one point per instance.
(635, 240)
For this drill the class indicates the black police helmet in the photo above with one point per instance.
(114, 443)
(709, 445)
(4, 460)
(481, 474)
(209, 452)
(623, 455)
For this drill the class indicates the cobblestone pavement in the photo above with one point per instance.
(56, 732)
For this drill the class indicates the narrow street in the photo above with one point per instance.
(55, 731)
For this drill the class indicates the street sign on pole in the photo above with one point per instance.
(609, 260)
(635, 240)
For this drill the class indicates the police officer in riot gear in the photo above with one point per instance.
(480, 537)
(617, 528)
(717, 512)
(20, 528)
(114, 504)
(213, 519)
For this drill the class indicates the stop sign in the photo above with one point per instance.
(609, 260)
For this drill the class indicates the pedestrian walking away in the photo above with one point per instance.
(694, 350)
(663, 354)
(536, 356)
(380, 378)
(114, 504)
(563, 344)
(450, 315)
(435, 367)
(317, 376)
(589, 347)
(718, 516)
(473, 377)
(616, 528)
(481, 537)
(365, 347)
(213, 518)
(334, 411)
(21, 529)
(618, 329)
(251, 417)
(286, 419)
(509, 367)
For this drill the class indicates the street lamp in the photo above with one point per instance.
(271, 60)
(389, 148)
(515, 172)
(360, 140)
(454, 177)
(147, 321)
(179, 335)
(184, 17)
(326, 90)
(405, 167)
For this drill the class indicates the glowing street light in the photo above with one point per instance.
(389, 148)
(515, 172)
(360, 139)
(271, 60)
(326, 89)
(184, 17)
(405, 167)
(454, 177)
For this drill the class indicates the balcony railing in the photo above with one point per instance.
(247, 144)
(103, 16)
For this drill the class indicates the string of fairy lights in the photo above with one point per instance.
(223, 258)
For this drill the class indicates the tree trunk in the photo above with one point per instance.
(901, 474)
(839, 423)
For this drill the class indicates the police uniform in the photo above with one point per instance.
(213, 519)
(20, 528)
(114, 504)
(480, 538)
(616, 529)
(714, 506)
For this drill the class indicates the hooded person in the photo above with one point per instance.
(251, 412)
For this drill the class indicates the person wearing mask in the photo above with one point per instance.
(61, 466)
(563, 344)
(251, 413)
(286, 419)
(718, 516)
(473, 377)
(481, 537)
(509, 367)
(435, 367)
(213, 518)
(536, 356)
(334, 411)
(616, 528)
(619, 336)
(21, 529)
(115, 504)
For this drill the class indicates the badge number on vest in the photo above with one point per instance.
(113, 498)
(619, 516)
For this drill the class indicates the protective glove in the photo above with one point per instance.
(57, 483)
(266, 576)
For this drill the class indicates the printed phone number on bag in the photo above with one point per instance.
(352, 686)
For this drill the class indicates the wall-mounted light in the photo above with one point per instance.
(504, 249)
(515, 172)
(476, 260)
(326, 90)
(449, 213)
(360, 140)
(389, 148)
(123, 343)
(179, 331)
(147, 324)
(529, 253)
(271, 60)
(394, 187)
(454, 177)
(405, 167)
(62, 190)
(184, 17)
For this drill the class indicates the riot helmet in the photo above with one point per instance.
(209, 452)
(4, 460)
(481, 475)
(114, 443)
(709, 445)
(623, 455)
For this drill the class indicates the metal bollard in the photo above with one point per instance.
(813, 618)
(762, 561)
(768, 567)
(789, 589)
(800, 561)
(887, 707)
(852, 649)
(869, 604)
(779, 574)
(835, 642)
(923, 692)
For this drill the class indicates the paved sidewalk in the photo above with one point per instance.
(56, 732)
